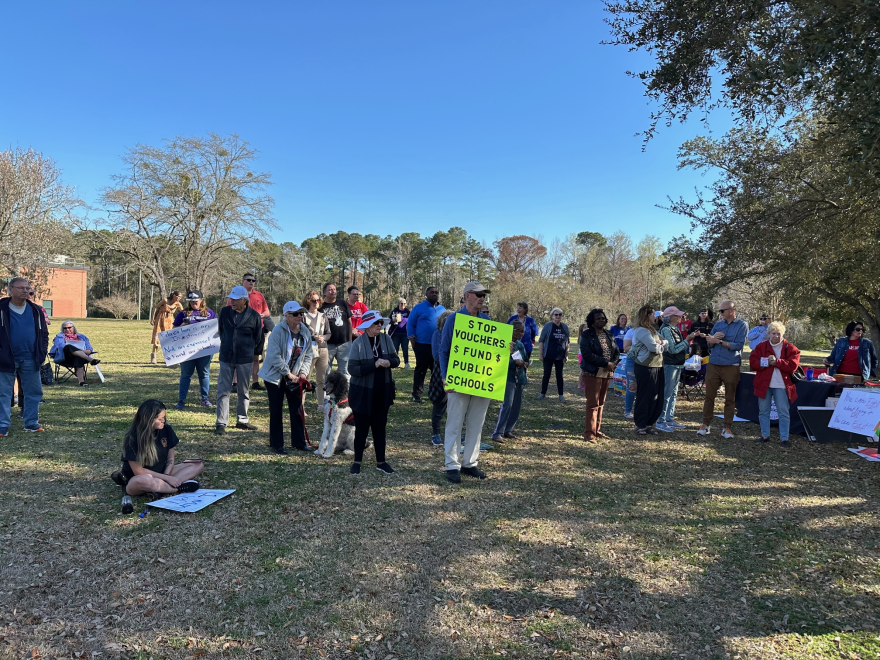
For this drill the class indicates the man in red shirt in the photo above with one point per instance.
(357, 310)
(258, 303)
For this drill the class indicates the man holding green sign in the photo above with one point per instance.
(474, 355)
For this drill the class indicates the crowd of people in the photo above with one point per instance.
(366, 347)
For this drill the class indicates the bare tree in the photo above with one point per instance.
(33, 202)
(186, 203)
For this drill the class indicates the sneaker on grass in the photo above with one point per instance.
(676, 425)
(34, 429)
(662, 426)
(384, 468)
(220, 429)
(453, 476)
(4, 432)
(247, 426)
(355, 468)
(189, 486)
(437, 440)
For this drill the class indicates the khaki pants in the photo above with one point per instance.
(468, 411)
(319, 368)
(716, 375)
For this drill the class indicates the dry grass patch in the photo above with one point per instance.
(675, 548)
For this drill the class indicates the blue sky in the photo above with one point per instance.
(378, 117)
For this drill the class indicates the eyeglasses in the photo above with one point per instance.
(859, 329)
(249, 279)
(316, 300)
(727, 309)
(67, 327)
(294, 313)
(482, 294)
(557, 315)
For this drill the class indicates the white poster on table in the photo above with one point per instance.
(858, 411)
(189, 342)
(191, 502)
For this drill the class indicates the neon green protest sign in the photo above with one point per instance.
(479, 357)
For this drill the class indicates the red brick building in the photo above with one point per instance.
(64, 293)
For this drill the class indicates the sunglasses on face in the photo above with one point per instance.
(67, 327)
(479, 295)
(294, 313)
(725, 310)
(860, 330)
(247, 279)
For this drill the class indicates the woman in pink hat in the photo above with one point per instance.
(673, 362)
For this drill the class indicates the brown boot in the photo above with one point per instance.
(152, 358)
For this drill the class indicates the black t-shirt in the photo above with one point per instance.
(338, 315)
(166, 439)
(556, 340)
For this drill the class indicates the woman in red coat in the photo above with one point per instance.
(773, 362)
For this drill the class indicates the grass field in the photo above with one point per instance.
(674, 548)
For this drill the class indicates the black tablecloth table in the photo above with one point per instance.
(810, 393)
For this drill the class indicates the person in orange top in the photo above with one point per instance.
(773, 362)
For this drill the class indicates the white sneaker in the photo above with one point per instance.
(726, 434)
(704, 431)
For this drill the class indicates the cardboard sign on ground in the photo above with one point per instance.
(191, 502)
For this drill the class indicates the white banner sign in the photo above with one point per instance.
(858, 411)
(191, 502)
(189, 342)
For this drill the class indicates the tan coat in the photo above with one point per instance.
(163, 318)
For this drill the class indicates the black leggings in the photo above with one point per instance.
(545, 381)
(437, 411)
(362, 426)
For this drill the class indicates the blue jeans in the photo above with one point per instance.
(630, 397)
(340, 352)
(780, 395)
(510, 407)
(671, 376)
(31, 390)
(202, 367)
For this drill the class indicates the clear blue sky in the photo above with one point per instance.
(502, 117)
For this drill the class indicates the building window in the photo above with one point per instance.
(47, 305)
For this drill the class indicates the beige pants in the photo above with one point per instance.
(319, 368)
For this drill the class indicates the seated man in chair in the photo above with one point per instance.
(73, 355)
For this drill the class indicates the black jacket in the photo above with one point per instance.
(41, 345)
(237, 342)
(362, 367)
(591, 351)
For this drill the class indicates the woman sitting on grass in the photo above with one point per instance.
(148, 458)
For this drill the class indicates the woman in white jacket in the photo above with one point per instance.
(287, 363)
(648, 347)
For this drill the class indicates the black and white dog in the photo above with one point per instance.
(338, 434)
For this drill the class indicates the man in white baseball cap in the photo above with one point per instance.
(240, 329)
(463, 409)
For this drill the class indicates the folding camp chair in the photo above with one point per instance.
(693, 383)
(69, 371)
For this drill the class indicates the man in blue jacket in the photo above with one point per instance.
(463, 409)
(421, 326)
(24, 341)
